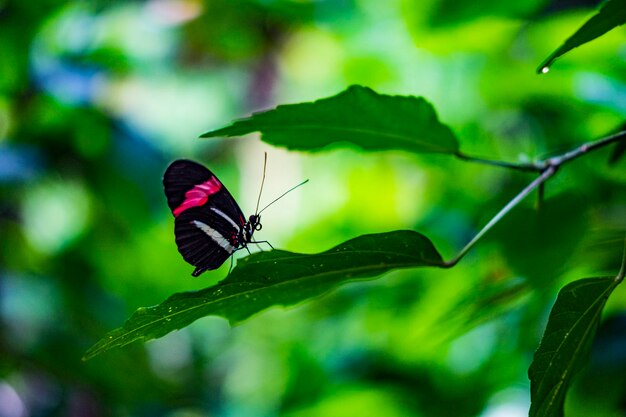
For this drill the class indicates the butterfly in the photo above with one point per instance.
(209, 226)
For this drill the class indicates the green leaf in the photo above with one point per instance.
(276, 277)
(611, 15)
(359, 116)
(566, 343)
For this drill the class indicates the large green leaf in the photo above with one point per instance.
(566, 343)
(357, 115)
(273, 278)
(611, 15)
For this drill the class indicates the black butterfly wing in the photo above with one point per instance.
(180, 177)
(208, 219)
(203, 240)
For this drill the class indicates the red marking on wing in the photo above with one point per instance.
(198, 195)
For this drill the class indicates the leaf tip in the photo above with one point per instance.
(208, 134)
(544, 67)
(89, 354)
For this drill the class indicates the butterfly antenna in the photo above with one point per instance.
(258, 201)
(283, 194)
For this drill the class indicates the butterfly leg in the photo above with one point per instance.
(232, 256)
(262, 241)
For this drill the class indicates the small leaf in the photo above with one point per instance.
(566, 343)
(277, 277)
(611, 15)
(358, 115)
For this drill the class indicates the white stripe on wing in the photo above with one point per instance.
(215, 235)
(231, 221)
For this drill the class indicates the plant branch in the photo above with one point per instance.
(524, 167)
(540, 166)
(584, 148)
(547, 168)
(547, 173)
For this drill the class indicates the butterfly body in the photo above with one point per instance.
(209, 225)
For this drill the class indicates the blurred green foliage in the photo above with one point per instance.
(96, 98)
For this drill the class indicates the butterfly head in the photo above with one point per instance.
(252, 225)
(255, 222)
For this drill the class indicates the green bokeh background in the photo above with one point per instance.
(96, 98)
